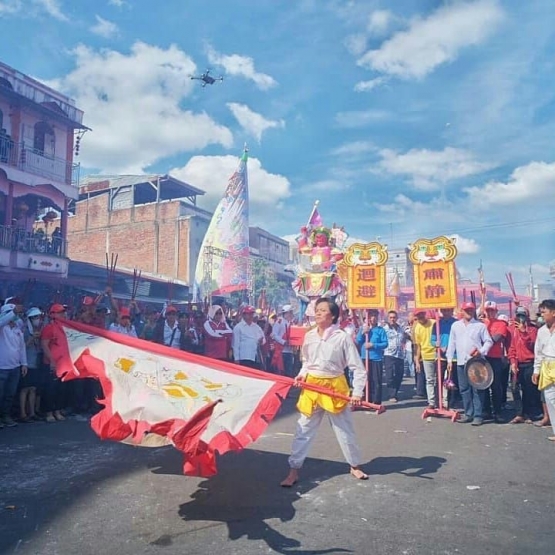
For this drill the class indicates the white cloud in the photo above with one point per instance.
(133, 104)
(104, 28)
(33, 7)
(117, 3)
(379, 22)
(242, 66)
(267, 191)
(356, 44)
(360, 118)
(251, 122)
(532, 182)
(53, 8)
(9, 7)
(435, 40)
(465, 245)
(367, 86)
(429, 169)
(355, 148)
(326, 186)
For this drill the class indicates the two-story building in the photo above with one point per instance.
(40, 131)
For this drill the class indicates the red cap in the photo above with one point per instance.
(124, 312)
(171, 308)
(57, 309)
(249, 310)
(419, 311)
(88, 301)
(468, 306)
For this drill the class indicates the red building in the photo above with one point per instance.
(39, 133)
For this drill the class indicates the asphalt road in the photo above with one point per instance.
(435, 488)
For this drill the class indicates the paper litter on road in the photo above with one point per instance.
(472, 488)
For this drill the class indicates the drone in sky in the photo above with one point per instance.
(206, 78)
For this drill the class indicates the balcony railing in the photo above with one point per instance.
(29, 160)
(24, 241)
(39, 93)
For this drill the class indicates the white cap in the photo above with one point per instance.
(7, 308)
(32, 312)
(490, 304)
(503, 317)
(286, 308)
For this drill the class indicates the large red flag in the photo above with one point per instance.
(157, 396)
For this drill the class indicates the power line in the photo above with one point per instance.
(487, 226)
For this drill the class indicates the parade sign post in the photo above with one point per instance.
(435, 287)
(366, 289)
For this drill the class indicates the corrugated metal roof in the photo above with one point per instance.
(126, 180)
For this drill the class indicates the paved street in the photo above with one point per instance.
(435, 488)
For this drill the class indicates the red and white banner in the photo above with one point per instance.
(157, 396)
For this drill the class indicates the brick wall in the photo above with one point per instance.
(150, 237)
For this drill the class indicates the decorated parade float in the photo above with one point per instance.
(320, 252)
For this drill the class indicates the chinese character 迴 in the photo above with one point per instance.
(366, 274)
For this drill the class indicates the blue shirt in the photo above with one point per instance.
(378, 338)
(445, 325)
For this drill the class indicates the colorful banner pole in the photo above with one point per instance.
(366, 288)
(435, 287)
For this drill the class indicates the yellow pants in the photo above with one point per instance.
(309, 400)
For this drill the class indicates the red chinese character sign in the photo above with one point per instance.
(435, 276)
(366, 276)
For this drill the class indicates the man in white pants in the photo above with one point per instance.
(327, 351)
(544, 359)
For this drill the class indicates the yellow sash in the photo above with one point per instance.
(547, 374)
(309, 400)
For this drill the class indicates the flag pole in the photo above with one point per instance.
(314, 208)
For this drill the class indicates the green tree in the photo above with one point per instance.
(264, 278)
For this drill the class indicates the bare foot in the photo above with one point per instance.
(291, 479)
(358, 474)
(517, 420)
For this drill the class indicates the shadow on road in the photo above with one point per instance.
(419, 467)
(246, 494)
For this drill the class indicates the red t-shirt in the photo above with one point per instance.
(498, 327)
(50, 333)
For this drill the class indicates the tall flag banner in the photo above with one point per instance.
(228, 232)
(482, 281)
(394, 292)
(531, 287)
(315, 220)
(156, 396)
(366, 275)
(435, 275)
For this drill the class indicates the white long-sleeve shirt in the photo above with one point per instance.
(124, 330)
(12, 344)
(465, 337)
(328, 355)
(544, 349)
(246, 338)
(279, 333)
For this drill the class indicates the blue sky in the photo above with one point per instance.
(405, 119)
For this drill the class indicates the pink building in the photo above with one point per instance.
(40, 130)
